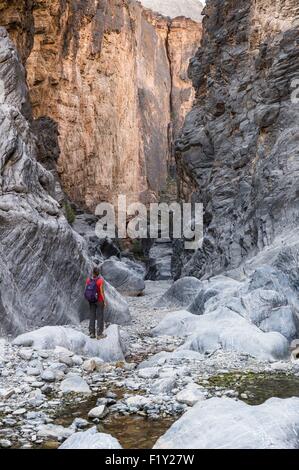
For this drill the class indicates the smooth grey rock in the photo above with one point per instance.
(124, 279)
(75, 384)
(224, 423)
(49, 337)
(181, 293)
(98, 412)
(91, 439)
(54, 431)
(191, 394)
(238, 150)
(163, 385)
(48, 375)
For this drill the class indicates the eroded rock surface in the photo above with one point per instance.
(42, 261)
(222, 423)
(113, 78)
(238, 151)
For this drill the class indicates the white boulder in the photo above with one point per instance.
(51, 337)
(98, 412)
(53, 431)
(75, 384)
(224, 423)
(191, 394)
(91, 439)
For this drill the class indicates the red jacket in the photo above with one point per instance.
(100, 282)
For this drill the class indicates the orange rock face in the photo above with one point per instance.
(113, 76)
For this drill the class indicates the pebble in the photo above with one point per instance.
(98, 412)
(5, 443)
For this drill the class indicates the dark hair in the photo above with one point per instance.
(96, 271)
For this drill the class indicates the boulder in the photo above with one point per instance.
(91, 439)
(54, 432)
(180, 294)
(49, 337)
(98, 412)
(37, 243)
(117, 310)
(75, 384)
(191, 394)
(224, 423)
(164, 385)
(122, 277)
(225, 329)
(178, 323)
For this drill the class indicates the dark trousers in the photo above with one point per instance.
(96, 315)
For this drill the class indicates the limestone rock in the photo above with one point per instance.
(91, 439)
(75, 384)
(181, 293)
(238, 151)
(223, 423)
(80, 60)
(32, 223)
(191, 394)
(120, 276)
(53, 431)
(98, 412)
(49, 337)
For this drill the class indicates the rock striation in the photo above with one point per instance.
(238, 151)
(37, 245)
(43, 262)
(108, 82)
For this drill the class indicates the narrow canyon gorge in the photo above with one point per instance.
(161, 101)
(107, 81)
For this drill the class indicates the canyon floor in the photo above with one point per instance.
(135, 404)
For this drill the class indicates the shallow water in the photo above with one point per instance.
(260, 387)
(138, 432)
(132, 431)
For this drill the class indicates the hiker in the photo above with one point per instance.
(94, 293)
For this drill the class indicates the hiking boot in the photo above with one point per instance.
(92, 336)
(102, 336)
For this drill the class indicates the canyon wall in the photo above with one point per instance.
(42, 261)
(113, 78)
(238, 152)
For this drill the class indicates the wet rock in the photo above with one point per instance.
(79, 423)
(90, 439)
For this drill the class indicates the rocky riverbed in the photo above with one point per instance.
(46, 395)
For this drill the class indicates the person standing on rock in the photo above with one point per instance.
(94, 294)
